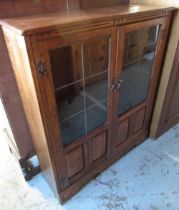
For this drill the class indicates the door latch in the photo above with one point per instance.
(113, 88)
(42, 69)
(116, 87)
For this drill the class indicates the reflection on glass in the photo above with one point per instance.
(81, 86)
(96, 56)
(96, 101)
(73, 128)
(70, 100)
(138, 61)
(96, 89)
(95, 116)
(70, 104)
(66, 65)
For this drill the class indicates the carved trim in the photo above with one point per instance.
(142, 17)
(73, 29)
(98, 24)
(119, 21)
(164, 13)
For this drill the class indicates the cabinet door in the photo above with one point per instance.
(75, 72)
(140, 49)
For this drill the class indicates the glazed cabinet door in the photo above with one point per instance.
(140, 49)
(75, 74)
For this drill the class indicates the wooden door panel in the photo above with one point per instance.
(139, 120)
(122, 131)
(99, 146)
(130, 126)
(75, 161)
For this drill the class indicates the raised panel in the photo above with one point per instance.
(122, 131)
(99, 146)
(75, 161)
(139, 120)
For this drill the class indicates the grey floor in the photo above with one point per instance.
(147, 178)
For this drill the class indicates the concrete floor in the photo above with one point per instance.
(147, 178)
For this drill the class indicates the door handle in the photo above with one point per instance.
(116, 87)
(113, 88)
(119, 83)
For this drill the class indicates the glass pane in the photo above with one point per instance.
(96, 89)
(70, 100)
(138, 61)
(70, 104)
(73, 128)
(96, 56)
(66, 65)
(96, 116)
(80, 77)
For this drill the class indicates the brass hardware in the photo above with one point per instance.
(113, 88)
(42, 69)
(116, 87)
(120, 81)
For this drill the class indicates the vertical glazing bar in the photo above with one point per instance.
(84, 90)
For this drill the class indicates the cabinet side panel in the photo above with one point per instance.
(12, 104)
(21, 66)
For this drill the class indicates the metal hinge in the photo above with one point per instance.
(42, 69)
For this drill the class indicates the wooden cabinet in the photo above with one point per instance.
(170, 109)
(87, 83)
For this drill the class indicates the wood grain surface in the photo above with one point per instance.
(31, 24)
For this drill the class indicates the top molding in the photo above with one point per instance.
(76, 20)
